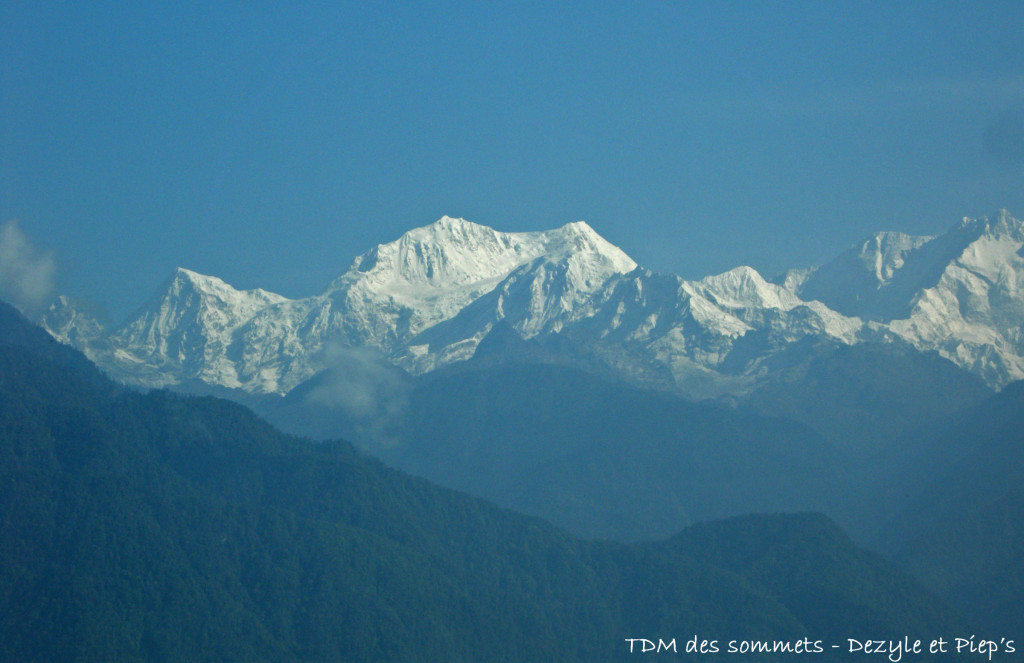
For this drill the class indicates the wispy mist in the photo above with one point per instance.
(369, 392)
(27, 274)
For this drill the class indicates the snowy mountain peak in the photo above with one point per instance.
(447, 230)
(186, 278)
(185, 281)
(430, 274)
(999, 225)
(578, 237)
(181, 272)
(453, 225)
(427, 299)
(70, 322)
(743, 287)
(448, 252)
(188, 314)
(457, 253)
(583, 233)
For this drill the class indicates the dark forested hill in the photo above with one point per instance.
(166, 528)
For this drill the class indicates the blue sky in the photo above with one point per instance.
(269, 144)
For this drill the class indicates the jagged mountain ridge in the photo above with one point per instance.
(427, 300)
(199, 328)
(960, 293)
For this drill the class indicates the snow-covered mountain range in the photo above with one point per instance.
(427, 300)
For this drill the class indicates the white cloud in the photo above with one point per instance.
(370, 393)
(27, 274)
